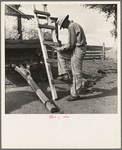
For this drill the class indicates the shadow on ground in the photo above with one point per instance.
(21, 99)
(103, 93)
(24, 102)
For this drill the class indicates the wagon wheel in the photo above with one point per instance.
(12, 70)
(42, 70)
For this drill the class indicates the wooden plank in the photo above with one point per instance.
(46, 26)
(19, 58)
(91, 58)
(52, 18)
(20, 15)
(41, 12)
(51, 60)
(45, 55)
(103, 51)
(97, 50)
(37, 90)
(28, 16)
(30, 42)
(56, 81)
(93, 48)
(93, 52)
(85, 58)
(56, 31)
(21, 46)
(50, 43)
(94, 55)
(19, 26)
(36, 41)
(27, 42)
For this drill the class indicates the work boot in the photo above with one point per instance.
(64, 77)
(73, 98)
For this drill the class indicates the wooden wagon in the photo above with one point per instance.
(26, 51)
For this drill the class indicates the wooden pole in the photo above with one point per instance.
(28, 16)
(19, 27)
(56, 25)
(26, 75)
(103, 57)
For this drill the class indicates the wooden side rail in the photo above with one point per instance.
(92, 52)
(46, 26)
(28, 16)
(41, 12)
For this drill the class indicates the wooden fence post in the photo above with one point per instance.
(103, 51)
(56, 31)
(19, 27)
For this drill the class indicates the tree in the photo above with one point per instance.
(109, 10)
(16, 6)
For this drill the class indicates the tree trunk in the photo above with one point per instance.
(114, 51)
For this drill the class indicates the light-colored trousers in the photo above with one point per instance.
(76, 58)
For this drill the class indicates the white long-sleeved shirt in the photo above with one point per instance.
(76, 36)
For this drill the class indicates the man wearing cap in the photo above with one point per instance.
(75, 50)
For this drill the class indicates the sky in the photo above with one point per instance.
(96, 28)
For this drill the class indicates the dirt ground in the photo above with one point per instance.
(20, 99)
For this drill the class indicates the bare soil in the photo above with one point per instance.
(20, 98)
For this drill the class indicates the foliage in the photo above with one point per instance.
(109, 10)
(11, 31)
(16, 6)
(9, 9)
(29, 30)
(28, 27)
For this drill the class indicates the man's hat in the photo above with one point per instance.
(61, 20)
